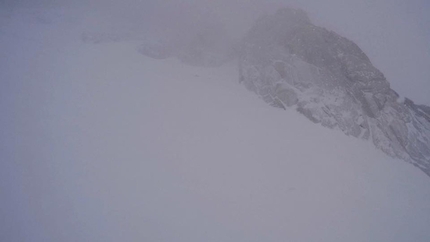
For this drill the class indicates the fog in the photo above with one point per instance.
(101, 143)
(394, 34)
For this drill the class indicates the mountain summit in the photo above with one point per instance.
(290, 62)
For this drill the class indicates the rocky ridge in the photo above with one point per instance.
(290, 62)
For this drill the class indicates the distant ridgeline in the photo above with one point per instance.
(290, 62)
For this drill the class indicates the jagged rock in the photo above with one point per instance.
(288, 61)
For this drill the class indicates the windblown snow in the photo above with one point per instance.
(101, 143)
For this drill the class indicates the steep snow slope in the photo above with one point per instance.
(100, 143)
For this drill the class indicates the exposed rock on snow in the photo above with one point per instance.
(207, 46)
(289, 61)
(99, 37)
(157, 49)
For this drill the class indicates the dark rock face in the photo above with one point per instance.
(288, 61)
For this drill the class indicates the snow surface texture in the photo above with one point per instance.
(289, 61)
(101, 143)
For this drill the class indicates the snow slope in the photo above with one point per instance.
(100, 143)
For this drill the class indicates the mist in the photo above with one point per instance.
(101, 143)
(394, 34)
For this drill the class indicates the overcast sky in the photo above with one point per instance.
(395, 34)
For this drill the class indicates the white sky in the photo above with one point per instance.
(395, 34)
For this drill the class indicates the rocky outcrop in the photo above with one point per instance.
(290, 62)
(208, 46)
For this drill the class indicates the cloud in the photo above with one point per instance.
(394, 34)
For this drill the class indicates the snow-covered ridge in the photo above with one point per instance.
(288, 61)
